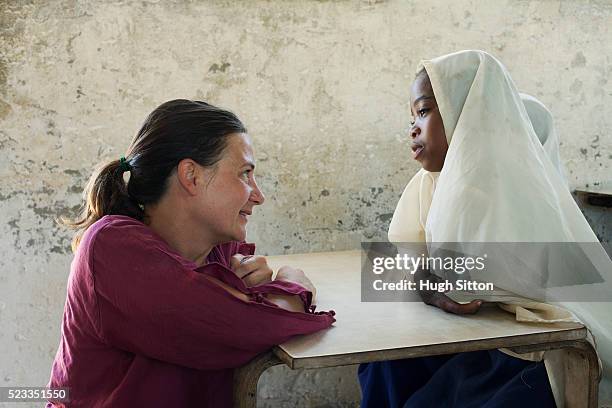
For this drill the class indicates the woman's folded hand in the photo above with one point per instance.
(289, 274)
(252, 269)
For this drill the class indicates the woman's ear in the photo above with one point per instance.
(187, 173)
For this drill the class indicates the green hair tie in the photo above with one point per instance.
(124, 165)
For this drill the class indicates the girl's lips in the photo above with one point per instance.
(416, 151)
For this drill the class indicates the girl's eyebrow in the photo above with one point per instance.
(420, 98)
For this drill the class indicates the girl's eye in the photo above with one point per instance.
(412, 122)
(422, 112)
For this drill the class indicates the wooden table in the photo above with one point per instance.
(376, 331)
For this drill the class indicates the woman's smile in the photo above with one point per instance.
(244, 214)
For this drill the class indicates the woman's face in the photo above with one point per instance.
(429, 145)
(230, 192)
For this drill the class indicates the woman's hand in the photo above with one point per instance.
(252, 269)
(440, 300)
(289, 274)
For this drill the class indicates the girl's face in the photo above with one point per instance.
(429, 145)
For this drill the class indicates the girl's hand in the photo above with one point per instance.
(289, 274)
(440, 300)
(252, 269)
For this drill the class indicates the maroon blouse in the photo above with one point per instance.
(143, 327)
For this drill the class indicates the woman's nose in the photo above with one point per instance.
(257, 196)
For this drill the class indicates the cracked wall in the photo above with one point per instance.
(322, 87)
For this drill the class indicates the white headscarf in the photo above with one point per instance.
(410, 216)
(500, 184)
(543, 125)
(497, 183)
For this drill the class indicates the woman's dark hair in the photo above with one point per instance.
(174, 131)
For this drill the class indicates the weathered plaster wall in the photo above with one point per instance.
(322, 87)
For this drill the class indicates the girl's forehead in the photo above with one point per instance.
(421, 90)
(421, 84)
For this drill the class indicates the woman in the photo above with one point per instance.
(164, 297)
(487, 179)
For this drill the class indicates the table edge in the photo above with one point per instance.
(333, 360)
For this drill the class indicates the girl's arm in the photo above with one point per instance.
(440, 300)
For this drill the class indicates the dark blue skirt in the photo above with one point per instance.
(479, 379)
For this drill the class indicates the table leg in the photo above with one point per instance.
(247, 377)
(582, 375)
(581, 370)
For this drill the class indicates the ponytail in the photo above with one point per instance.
(106, 193)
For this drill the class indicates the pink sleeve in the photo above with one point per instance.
(151, 304)
(286, 288)
(226, 251)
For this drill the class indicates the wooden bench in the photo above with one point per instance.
(376, 331)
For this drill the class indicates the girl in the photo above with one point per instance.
(164, 297)
(485, 178)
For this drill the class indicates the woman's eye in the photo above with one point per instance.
(422, 112)
(245, 174)
(411, 122)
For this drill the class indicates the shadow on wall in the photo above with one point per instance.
(324, 387)
(599, 217)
